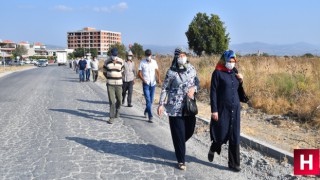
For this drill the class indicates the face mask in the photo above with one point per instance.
(114, 57)
(182, 60)
(148, 58)
(230, 65)
(130, 58)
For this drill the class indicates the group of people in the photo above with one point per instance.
(121, 76)
(84, 67)
(180, 81)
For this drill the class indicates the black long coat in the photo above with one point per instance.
(224, 99)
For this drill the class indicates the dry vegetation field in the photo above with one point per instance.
(275, 85)
(13, 68)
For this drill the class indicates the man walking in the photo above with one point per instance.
(82, 64)
(112, 70)
(88, 68)
(148, 73)
(94, 67)
(129, 75)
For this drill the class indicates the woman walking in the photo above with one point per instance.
(180, 81)
(225, 110)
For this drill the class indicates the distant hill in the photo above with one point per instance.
(295, 49)
(160, 49)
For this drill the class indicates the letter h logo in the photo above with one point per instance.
(306, 161)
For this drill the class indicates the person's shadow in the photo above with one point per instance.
(143, 152)
(92, 101)
(88, 114)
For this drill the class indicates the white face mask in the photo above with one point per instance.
(148, 58)
(182, 60)
(129, 57)
(230, 65)
(114, 57)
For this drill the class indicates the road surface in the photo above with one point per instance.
(54, 127)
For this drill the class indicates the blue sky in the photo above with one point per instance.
(150, 22)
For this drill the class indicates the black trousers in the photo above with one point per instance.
(233, 152)
(182, 128)
(127, 86)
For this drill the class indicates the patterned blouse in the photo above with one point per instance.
(175, 87)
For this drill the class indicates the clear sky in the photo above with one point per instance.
(162, 22)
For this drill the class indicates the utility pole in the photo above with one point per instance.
(4, 60)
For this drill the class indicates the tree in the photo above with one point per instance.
(137, 50)
(71, 56)
(308, 55)
(19, 51)
(207, 34)
(121, 50)
(81, 52)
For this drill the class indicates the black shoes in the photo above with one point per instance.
(129, 105)
(210, 156)
(234, 168)
(150, 120)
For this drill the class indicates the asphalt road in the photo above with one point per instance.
(54, 127)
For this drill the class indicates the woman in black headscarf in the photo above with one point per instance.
(180, 81)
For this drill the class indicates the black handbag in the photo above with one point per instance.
(190, 107)
(242, 95)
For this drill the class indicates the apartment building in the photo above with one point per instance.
(91, 38)
(7, 47)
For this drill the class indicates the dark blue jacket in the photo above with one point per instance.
(224, 99)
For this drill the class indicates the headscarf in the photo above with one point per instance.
(174, 65)
(226, 56)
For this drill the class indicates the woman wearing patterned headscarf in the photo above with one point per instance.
(225, 109)
(180, 81)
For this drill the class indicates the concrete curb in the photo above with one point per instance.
(262, 147)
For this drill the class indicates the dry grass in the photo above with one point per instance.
(13, 68)
(276, 85)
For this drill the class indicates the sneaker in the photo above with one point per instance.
(182, 166)
(110, 121)
(129, 105)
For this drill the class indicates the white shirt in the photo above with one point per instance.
(148, 70)
(88, 63)
(95, 65)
